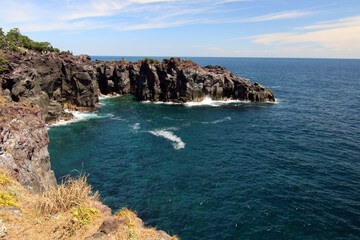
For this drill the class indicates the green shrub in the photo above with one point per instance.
(83, 215)
(151, 60)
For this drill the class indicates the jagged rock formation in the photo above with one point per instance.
(177, 81)
(61, 81)
(23, 145)
(53, 81)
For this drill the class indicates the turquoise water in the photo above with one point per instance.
(289, 170)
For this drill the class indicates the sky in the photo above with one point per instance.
(190, 28)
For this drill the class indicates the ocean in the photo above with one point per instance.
(230, 170)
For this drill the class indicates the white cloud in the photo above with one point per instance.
(343, 34)
(277, 16)
(151, 25)
(344, 22)
(14, 11)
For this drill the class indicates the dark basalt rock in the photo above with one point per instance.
(61, 81)
(53, 81)
(177, 81)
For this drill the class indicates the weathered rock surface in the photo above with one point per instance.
(53, 81)
(177, 81)
(23, 145)
(62, 81)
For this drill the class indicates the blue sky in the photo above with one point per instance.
(217, 28)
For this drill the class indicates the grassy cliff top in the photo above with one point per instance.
(69, 211)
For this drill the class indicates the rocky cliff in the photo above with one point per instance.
(70, 210)
(59, 81)
(53, 81)
(177, 81)
(23, 145)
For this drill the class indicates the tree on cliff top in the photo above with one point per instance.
(2, 39)
(14, 40)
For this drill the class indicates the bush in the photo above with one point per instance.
(151, 60)
(3, 60)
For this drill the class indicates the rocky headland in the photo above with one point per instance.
(60, 81)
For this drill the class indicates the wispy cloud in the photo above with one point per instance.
(124, 15)
(151, 25)
(342, 34)
(278, 16)
(343, 22)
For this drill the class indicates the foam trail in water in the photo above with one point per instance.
(218, 121)
(177, 143)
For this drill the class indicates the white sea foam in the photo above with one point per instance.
(109, 96)
(78, 116)
(177, 142)
(117, 118)
(136, 126)
(206, 102)
(214, 103)
(161, 102)
(219, 121)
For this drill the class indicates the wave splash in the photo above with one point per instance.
(177, 142)
(206, 102)
(79, 116)
(214, 103)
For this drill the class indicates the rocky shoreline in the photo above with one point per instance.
(60, 81)
(37, 88)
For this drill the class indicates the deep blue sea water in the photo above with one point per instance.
(289, 170)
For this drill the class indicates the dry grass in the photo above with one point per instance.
(65, 212)
(3, 99)
(73, 192)
(4, 180)
(138, 233)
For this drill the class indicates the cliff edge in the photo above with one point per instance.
(23, 145)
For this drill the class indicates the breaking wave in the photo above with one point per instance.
(79, 116)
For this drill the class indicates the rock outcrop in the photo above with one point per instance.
(177, 81)
(62, 81)
(23, 145)
(53, 81)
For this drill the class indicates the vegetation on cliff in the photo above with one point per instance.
(15, 41)
(69, 211)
